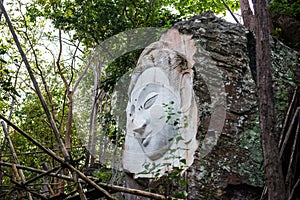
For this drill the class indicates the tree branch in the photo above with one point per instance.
(108, 186)
(35, 84)
(15, 158)
(294, 188)
(227, 7)
(59, 159)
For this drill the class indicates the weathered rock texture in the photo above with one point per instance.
(233, 169)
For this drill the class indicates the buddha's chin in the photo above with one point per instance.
(154, 155)
(156, 147)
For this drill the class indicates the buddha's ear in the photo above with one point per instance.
(186, 92)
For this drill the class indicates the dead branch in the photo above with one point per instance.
(293, 152)
(67, 178)
(28, 190)
(227, 7)
(79, 188)
(41, 175)
(294, 188)
(287, 136)
(104, 185)
(35, 84)
(288, 115)
(57, 158)
(14, 155)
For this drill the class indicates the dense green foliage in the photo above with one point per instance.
(97, 20)
(286, 7)
(7, 90)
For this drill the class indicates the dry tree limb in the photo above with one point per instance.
(104, 185)
(19, 186)
(289, 172)
(79, 188)
(287, 118)
(227, 7)
(294, 188)
(14, 155)
(57, 158)
(287, 136)
(50, 189)
(46, 110)
(28, 190)
(41, 175)
(15, 172)
(67, 178)
(29, 138)
(35, 84)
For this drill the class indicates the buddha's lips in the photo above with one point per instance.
(146, 141)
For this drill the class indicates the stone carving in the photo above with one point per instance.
(161, 111)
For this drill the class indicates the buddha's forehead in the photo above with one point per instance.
(153, 75)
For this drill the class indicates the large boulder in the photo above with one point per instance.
(228, 162)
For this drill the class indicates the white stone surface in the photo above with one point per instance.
(161, 112)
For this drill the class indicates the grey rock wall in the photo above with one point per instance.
(232, 167)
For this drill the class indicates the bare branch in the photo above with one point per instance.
(38, 91)
(15, 158)
(58, 61)
(294, 188)
(108, 186)
(57, 158)
(227, 7)
(41, 74)
(287, 136)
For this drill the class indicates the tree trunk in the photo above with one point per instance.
(247, 15)
(272, 162)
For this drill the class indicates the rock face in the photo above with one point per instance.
(229, 153)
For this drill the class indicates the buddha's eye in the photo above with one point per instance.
(150, 101)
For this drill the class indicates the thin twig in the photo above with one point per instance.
(296, 138)
(41, 175)
(294, 188)
(227, 7)
(289, 131)
(36, 59)
(291, 105)
(58, 60)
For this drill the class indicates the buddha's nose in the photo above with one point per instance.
(140, 127)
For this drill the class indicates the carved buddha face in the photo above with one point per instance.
(152, 111)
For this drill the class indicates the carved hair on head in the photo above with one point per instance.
(158, 54)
